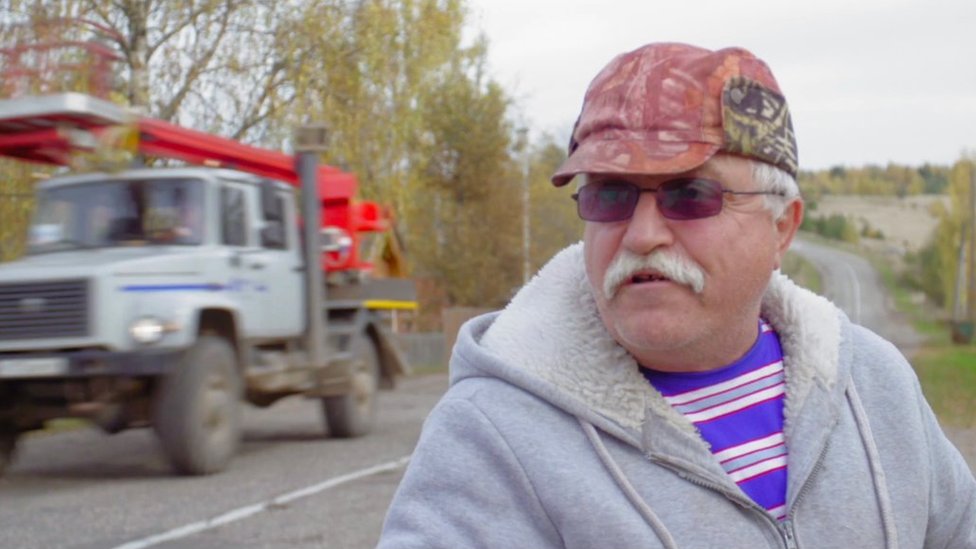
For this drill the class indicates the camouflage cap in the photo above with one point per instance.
(667, 108)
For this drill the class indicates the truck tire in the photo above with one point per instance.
(197, 413)
(8, 443)
(352, 415)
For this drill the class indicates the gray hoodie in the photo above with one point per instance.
(550, 437)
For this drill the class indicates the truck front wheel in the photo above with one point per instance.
(197, 412)
(352, 414)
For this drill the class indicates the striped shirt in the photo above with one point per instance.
(739, 410)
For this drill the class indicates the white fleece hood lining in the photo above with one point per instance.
(552, 330)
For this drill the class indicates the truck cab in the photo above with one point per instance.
(154, 248)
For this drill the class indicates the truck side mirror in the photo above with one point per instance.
(271, 207)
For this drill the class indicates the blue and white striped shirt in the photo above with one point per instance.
(739, 410)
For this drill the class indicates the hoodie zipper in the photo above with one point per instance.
(784, 528)
(789, 536)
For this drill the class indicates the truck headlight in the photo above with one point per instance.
(147, 330)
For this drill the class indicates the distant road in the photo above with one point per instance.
(855, 286)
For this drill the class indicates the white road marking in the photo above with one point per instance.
(249, 510)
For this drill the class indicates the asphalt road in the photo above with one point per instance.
(289, 488)
(855, 286)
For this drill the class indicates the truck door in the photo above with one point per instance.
(245, 279)
(283, 269)
(267, 279)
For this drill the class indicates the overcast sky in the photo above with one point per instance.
(867, 81)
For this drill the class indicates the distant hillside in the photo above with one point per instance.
(905, 224)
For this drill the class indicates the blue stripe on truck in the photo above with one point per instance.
(173, 287)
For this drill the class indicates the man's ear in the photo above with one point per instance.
(786, 227)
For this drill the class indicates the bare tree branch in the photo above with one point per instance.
(169, 110)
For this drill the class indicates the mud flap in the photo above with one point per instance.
(393, 361)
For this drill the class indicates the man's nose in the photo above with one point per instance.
(647, 228)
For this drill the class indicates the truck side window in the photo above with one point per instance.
(274, 235)
(233, 225)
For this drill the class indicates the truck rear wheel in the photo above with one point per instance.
(197, 412)
(8, 443)
(352, 415)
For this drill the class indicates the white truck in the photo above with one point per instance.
(166, 297)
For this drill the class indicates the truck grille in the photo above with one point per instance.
(43, 310)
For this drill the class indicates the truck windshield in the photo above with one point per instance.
(143, 212)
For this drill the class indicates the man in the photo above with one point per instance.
(186, 226)
(662, 385)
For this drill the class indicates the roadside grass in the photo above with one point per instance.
(924, 319)
(946, 371)
(802, 272)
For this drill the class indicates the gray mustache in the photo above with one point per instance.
(676, 267)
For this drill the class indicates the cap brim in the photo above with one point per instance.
(633, 157)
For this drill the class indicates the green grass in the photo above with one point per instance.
(947, 371)
(948, 376)
(923, 319)
(802, 272)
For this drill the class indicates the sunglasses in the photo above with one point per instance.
(684, 198)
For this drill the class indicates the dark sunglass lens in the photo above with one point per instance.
(689, 198)
(607, 201)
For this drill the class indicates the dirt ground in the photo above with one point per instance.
(906, 223)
